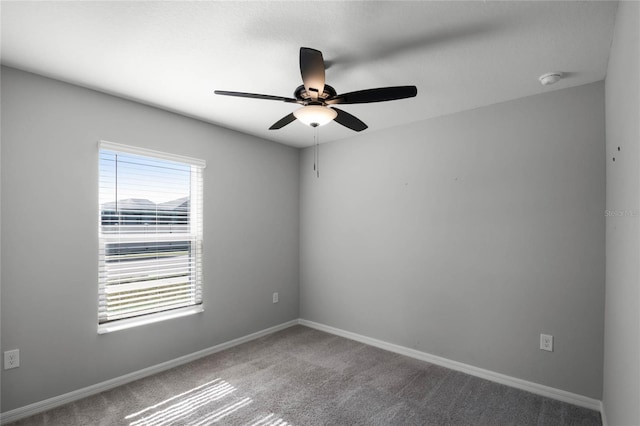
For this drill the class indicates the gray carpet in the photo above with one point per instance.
(301, 376)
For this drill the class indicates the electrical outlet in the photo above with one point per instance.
(12, 359)
(546, 342)
(275, 297)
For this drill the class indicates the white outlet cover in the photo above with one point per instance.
(275, 297)
(12, 359)
(546, 342)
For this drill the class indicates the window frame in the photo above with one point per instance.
(195, 232)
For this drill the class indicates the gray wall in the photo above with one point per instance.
(622, 314)
(50, 132)
(466, 236)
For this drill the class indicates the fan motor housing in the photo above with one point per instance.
(301, 93)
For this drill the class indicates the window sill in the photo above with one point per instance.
(148, 319)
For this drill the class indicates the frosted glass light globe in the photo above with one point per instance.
(315, 115)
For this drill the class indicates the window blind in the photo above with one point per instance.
(150, 232)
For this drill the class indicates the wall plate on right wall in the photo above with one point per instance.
(546, 342)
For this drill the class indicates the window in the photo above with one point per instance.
(150, 236)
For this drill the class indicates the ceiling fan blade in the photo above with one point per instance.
(380, 94)
(283, 122)
(255, 96)
(312, 71)
(348, 120)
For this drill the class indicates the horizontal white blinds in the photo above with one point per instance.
(150, 230)
(159, 155)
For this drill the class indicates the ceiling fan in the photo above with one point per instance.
(317, 98)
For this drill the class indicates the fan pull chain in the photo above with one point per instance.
(316, 151)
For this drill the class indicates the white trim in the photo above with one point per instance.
(514, 382)
(123, 324)
(113, 146)
(56, 401)
(603, 415)
(558, 394)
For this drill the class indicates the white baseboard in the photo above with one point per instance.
(571, 398)
(47, 404)
(514, 382)
(603, 414)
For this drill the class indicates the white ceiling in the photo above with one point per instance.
(460, 55)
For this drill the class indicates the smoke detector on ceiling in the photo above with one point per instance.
(550, 78)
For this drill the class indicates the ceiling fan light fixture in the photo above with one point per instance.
(316, 96)
(315, 115)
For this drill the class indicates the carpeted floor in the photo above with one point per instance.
(301, 376)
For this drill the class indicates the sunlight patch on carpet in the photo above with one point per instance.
(186, 404)
(270, 420)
